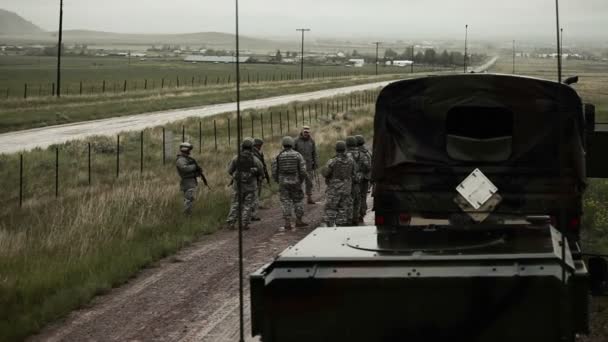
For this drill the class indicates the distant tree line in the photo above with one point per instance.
(432, 57)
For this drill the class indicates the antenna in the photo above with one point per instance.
(238, 182)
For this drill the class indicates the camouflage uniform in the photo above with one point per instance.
(339, 174)
(260, 155)
(362, 166)
(307, 148)
(188, 170)
(289, 170)
(249, 171)
(365, 181)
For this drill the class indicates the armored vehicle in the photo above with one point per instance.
(478, 201)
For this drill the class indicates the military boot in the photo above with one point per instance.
(286, 227)
(310, 200)
(300, 223)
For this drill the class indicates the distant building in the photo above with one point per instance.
(356, 62)
(402, 63)
(215, 59)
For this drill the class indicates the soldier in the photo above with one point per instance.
(188, 170)
(305, 145)
(289, 170)
(339, 174)
(245, 173)
(257, 152)
(362, 167)
(367, 176)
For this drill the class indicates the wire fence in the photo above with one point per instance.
(84, 163)
(100, 87)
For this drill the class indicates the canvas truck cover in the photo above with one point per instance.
(478, 120)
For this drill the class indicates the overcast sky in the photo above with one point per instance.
(393, 19)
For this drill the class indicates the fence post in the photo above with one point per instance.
(262, 124)
(200, 136)
(80, 89)
(205, 80)
(229, 78)
(215, 134)
(89, 164)
(177, 82)
(117, 155)
(141, 152)
(218, 80)
(302, 110)
(229, 132)
(162, 83)
(145, 84)
(20, 180)
(309, 115)
(271, 128)
(192, 81)
(281, 122)
(25, 91)
(56, 172)
(125, 87)
(164, 147)
(288, 126)
(252, 124)
(103, 87)
(295, 112)
(183, 133)
(52, 90)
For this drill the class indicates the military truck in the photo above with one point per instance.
(478, 202)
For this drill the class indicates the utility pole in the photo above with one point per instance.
(466, 53)
(59, 48)
(302, 61)
(513, 57)
(377, 47)
(413, 47)
(559, 47)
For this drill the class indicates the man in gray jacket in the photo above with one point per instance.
(188, 170)
(305, 145)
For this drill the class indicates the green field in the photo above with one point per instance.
(39, 73)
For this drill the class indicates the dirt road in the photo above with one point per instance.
(192, 296)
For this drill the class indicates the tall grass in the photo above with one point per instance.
(56, 254)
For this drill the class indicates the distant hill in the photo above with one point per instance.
(13, 24)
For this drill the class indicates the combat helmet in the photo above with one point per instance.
(340, 146)
(287, 141)
(258, 142)
(351, 141)
(360, 140)
(247, 144)
(185, 147)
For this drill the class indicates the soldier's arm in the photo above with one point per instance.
(315, 159)
(303, 173)
(328, 169)
(232, 167)
(275, 170)
(185, 166)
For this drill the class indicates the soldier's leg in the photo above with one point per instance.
(363, 206)
(286, 202)
(234, 209)
(345, 210)
(189, 197)
(309, 182)
(256, 203)
(356, 204)
(297, 196)
(332, 202)
(248, 203)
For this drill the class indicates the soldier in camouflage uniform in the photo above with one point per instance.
(339, 174)
(188, 170)
(289, 170)
(245, 173)
(305, 145)
(362, 166)
(257, 152)
(365, 181)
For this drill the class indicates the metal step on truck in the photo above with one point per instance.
(495, 166)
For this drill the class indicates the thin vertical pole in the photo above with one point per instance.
(559, 44)
(377, 49)
(466, 38)
(295, 112)
(56, 172)
(281, 122)
(262, 124)
(89, 163)
(252, 125)
(271, 125)
(183, 133)
(200, 136)
(59, 48)
(20, 180)
(239, 189)
(164, 147)
(412, 66)
(513, 57)
(141, 152)
(229, 137)
(215, 134)
(117, 155)
(288, 125)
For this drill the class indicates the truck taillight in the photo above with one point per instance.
(379, 220)
(574, 223)
(405, 219)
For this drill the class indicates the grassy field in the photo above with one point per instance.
(39, 112)
(40, 73)
(593, 77)
(56, 254)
